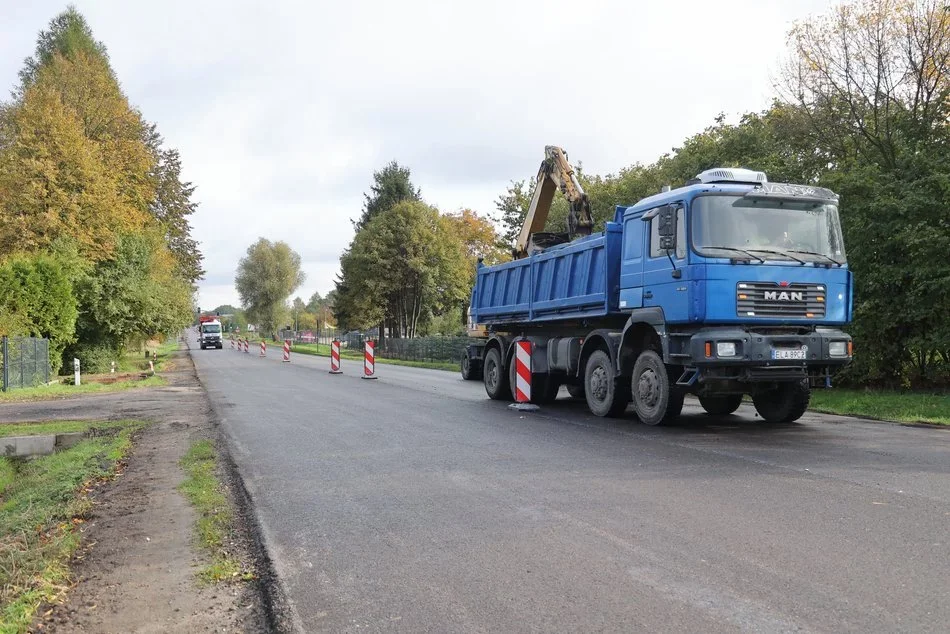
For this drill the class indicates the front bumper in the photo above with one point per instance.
(768, 357)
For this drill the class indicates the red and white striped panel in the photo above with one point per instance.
(523, 371)
(369, 358)
(287, 350)
(263, 348)
(334, 356)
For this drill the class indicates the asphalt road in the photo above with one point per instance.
(413, 503)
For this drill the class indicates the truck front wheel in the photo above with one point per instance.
(653, 396)
(784, 404)
(604, 396)
(721, 405)
(496, 379)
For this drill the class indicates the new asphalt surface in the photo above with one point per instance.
(413, 503)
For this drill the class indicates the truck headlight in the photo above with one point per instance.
(725, 349)
(838, 348)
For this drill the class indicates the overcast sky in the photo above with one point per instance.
(283, 110)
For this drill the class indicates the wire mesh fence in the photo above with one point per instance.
(25, 362)
(445, 349)
(441, 348)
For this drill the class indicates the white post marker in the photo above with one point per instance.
(76, 370)
(522, 386)
(369, 360)
(335, 357)
(112, 371)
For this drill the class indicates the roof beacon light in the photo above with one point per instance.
(732, 175)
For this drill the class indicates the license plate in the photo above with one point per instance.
(788, 354)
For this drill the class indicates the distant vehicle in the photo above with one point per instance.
(729, 285)
(209, 333)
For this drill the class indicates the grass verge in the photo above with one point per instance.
(44, 501)
(323, 350)
(60, 390)
(905, 407)
(215, 523)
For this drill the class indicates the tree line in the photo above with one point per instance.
(96, 250)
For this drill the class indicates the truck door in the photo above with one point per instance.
(631, 264)
(664, 282)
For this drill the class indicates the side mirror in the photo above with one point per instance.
(666, 217)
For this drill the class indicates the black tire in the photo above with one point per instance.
(784, 404)
(466, 365)
(675, 406)
(721, 405)
(606, 396)
(576, 391)
(495, 378)
(653, 396)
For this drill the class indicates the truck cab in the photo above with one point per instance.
(210, 334)
(745, 284)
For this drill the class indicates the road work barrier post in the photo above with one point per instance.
(263, 348)
(286, 350)
(232, 342)
(335, 357)
(522, 384)
(247, 343)
(369, 360)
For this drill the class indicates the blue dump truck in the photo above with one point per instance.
(728, 286)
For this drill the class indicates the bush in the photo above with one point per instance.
(94, 358)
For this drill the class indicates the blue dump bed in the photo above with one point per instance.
(579, 279)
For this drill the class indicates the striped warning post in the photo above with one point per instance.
(263, 348)
(286, 350)
(335, 357)
(232, 342)
(523, 371)
(246, 344)
(369, 360)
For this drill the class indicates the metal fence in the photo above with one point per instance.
(447, 349)
(25, 362)
(438, 349)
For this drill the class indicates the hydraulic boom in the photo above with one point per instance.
(555, 173)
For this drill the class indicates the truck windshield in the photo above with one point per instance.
(725, 225)
(211, 328)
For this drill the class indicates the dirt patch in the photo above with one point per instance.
(135, 571)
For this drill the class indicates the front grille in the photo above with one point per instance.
(773, 299)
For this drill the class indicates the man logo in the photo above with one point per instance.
(785, 296)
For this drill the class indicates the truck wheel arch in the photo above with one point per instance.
(606, 340)
(503, 346)
(646, 328)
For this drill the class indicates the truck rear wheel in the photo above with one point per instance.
(496, 379)
(783, 404)
(604, 396)
(466, 367)
(721, 405)
(653, 397)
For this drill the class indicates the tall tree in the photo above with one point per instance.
(267, 275)
(425, 265)
(391, 185)
(172, 205)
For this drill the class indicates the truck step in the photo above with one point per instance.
(689, 377)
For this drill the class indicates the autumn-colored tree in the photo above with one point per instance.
(53, 182)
